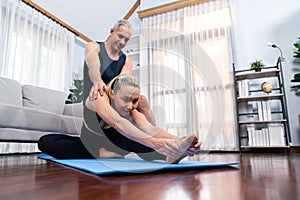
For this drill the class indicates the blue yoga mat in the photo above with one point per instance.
(130, 165)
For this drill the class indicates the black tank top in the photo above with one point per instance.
(110, 68)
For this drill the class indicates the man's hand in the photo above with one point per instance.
(143, 105)
(100, 87)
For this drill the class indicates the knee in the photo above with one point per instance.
(45, 141)
(41, 142)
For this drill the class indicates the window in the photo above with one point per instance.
(34, 49)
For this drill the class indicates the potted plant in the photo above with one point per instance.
(76, 92)
(296, 55)
(257, 65)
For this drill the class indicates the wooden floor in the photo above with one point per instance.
(259, 176)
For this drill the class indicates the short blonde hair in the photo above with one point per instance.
(127, 79)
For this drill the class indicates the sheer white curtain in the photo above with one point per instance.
(187, 56)
(33, 48)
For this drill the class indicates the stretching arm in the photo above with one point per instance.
(141, 122)
(146, 126)
(101, 105)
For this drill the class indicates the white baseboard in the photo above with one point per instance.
(17, 147)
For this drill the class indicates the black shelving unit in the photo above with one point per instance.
(256, 94)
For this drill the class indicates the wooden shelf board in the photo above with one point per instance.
(265, 147)
(253, 75)
(260, 98)
(263, 122)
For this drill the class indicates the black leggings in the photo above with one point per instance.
(87, 145)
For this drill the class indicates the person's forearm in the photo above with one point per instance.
(127, 129)
(142, 123)
(157, 132)
(94, 68)
(164, 134)
(94, 74)
(150, 117)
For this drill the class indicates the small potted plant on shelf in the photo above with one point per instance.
(296, 55)
(257, 65)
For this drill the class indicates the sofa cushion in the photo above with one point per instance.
(74, 109)
(44, 99)
(13, 134)
(21, 117)
(71, 125)
(11, 91)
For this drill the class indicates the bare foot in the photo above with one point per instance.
(184, 144)
(108, 154)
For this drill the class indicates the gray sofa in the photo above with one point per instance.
(29, 112)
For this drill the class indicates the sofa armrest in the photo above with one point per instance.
(75, 109)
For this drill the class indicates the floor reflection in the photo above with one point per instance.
(259, 176)
(270, 176)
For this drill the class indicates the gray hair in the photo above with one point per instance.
(127, 79)
(123, 22)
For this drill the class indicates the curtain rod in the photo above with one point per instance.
(51, 16)
(168, 7)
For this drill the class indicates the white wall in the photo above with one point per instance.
(145, 4)
(258, 22)
(92, 18)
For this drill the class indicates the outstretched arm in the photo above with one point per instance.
(143, 123)
(192, 144)
(101, 105)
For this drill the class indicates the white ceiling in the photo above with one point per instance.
(93, 18)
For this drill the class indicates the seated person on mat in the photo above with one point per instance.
(125, 130)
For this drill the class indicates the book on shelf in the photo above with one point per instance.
(243, 88)
(251, 136)
(267, 137)
(276, 135)
(268, 110)
(273, 135)
(264, 111)
(260, 111)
